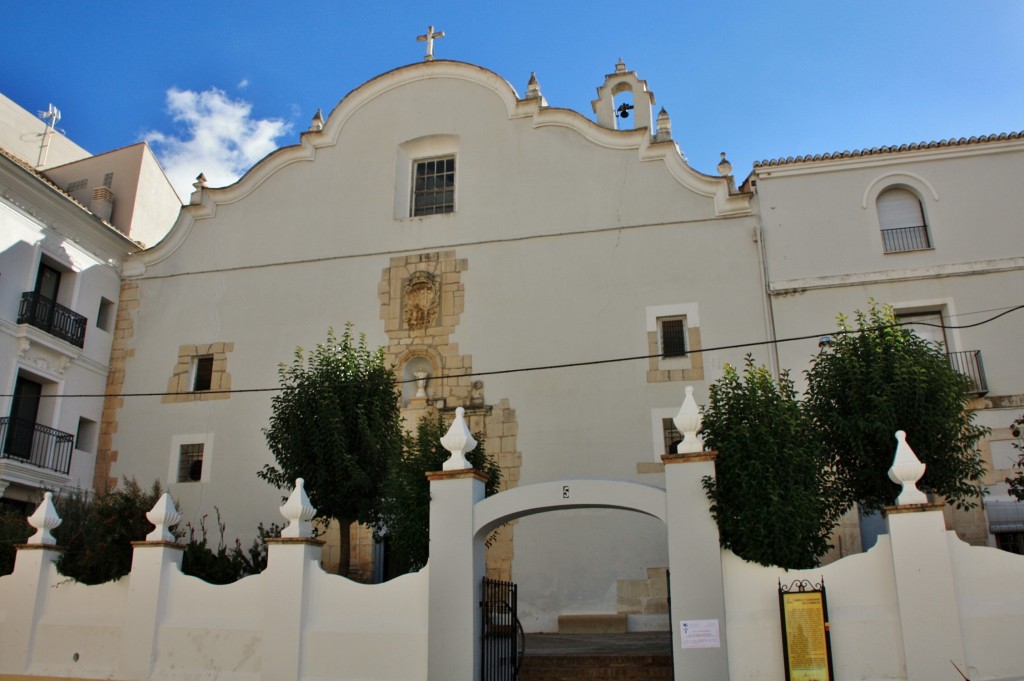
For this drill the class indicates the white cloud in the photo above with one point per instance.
(219, 138)
(244, 83)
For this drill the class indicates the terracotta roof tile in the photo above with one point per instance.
(875, 151)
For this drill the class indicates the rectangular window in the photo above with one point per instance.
(202, 376)
(105, 315)
(85, 438)
(672, 331)
(671, 435)
(190, 462)
(433, 186)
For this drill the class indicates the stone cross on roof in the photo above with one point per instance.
(428, 38)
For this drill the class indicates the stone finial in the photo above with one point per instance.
(533, 87)
(620, 67)
(44, 519)
(663, 132)
(724, 167)
(298, 512)
(163, 515)
(458, 440)
(317, 123)
(906, 470)
(688, 422)
(199, 185)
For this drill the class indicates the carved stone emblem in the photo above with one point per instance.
(421, 300)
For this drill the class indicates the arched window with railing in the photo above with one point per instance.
(902, 220)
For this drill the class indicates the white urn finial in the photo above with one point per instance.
(906, 470)
(688, 422)
(163, 515)
(458, 440)
(44, 519)
(299, 513)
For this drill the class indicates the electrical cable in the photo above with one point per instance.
(569, 365)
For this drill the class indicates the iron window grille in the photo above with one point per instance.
(673, 337)
(190, 462)
(433, 186)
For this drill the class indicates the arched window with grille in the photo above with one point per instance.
(902, 221)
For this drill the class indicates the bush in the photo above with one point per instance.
(14, 530)
(225, 565)
(96, 532)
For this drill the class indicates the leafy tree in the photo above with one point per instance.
(1016, 482)
(97, 531)
(774, 496)
(336, 424)
(406, 509)
(877, 378)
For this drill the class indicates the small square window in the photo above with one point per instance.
(85, 438)
(433, 186)
(105, 315)
(190, 462)
(672, 332)
(202, 373)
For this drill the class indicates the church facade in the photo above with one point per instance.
(561, 279)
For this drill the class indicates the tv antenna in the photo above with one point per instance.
(53, 114)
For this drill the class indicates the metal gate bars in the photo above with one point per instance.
(502, 635)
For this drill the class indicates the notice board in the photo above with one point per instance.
(806, 642)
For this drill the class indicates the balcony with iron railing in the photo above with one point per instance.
(904, 239)
(36, 444)
(968, 363)
(52, 317)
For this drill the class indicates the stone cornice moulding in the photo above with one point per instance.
(727, 203)
(790, 286)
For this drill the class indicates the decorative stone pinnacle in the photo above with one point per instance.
(458, 440)
(298, 512)
(163, 515)
(906, 470)
(620, 67)
(533, 87)
(200, 181)
(688, 422)
(44, 519)
(664, 129)
(317, 123)
(724, 167)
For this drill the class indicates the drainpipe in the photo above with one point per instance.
(769, 315)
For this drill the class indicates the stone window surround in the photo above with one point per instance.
(205, 439)
(179, 386)
(689, 367)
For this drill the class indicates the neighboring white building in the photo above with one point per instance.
(60, 267)
(932, 229)
(509, 250)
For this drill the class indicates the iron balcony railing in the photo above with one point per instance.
(903, 239)
(55, 319)
(968, 363)
(36, 444)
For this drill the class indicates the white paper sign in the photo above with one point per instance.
(699, 634)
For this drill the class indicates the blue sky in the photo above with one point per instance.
(216, 85)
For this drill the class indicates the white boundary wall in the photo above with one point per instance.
(904, 610)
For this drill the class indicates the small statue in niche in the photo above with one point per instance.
(421, 298)
(421, 383)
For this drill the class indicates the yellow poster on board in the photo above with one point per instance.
(806, 636)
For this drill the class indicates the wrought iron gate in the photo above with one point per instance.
(503, 640)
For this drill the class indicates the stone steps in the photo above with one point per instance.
(596, 667)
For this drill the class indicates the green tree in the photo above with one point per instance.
(876, 378)
(336, 423)
(406, 508)
(1016, 481)
(774, 495)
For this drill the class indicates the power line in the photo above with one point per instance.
(569, 365)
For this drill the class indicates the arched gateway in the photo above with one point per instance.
(461, 518)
